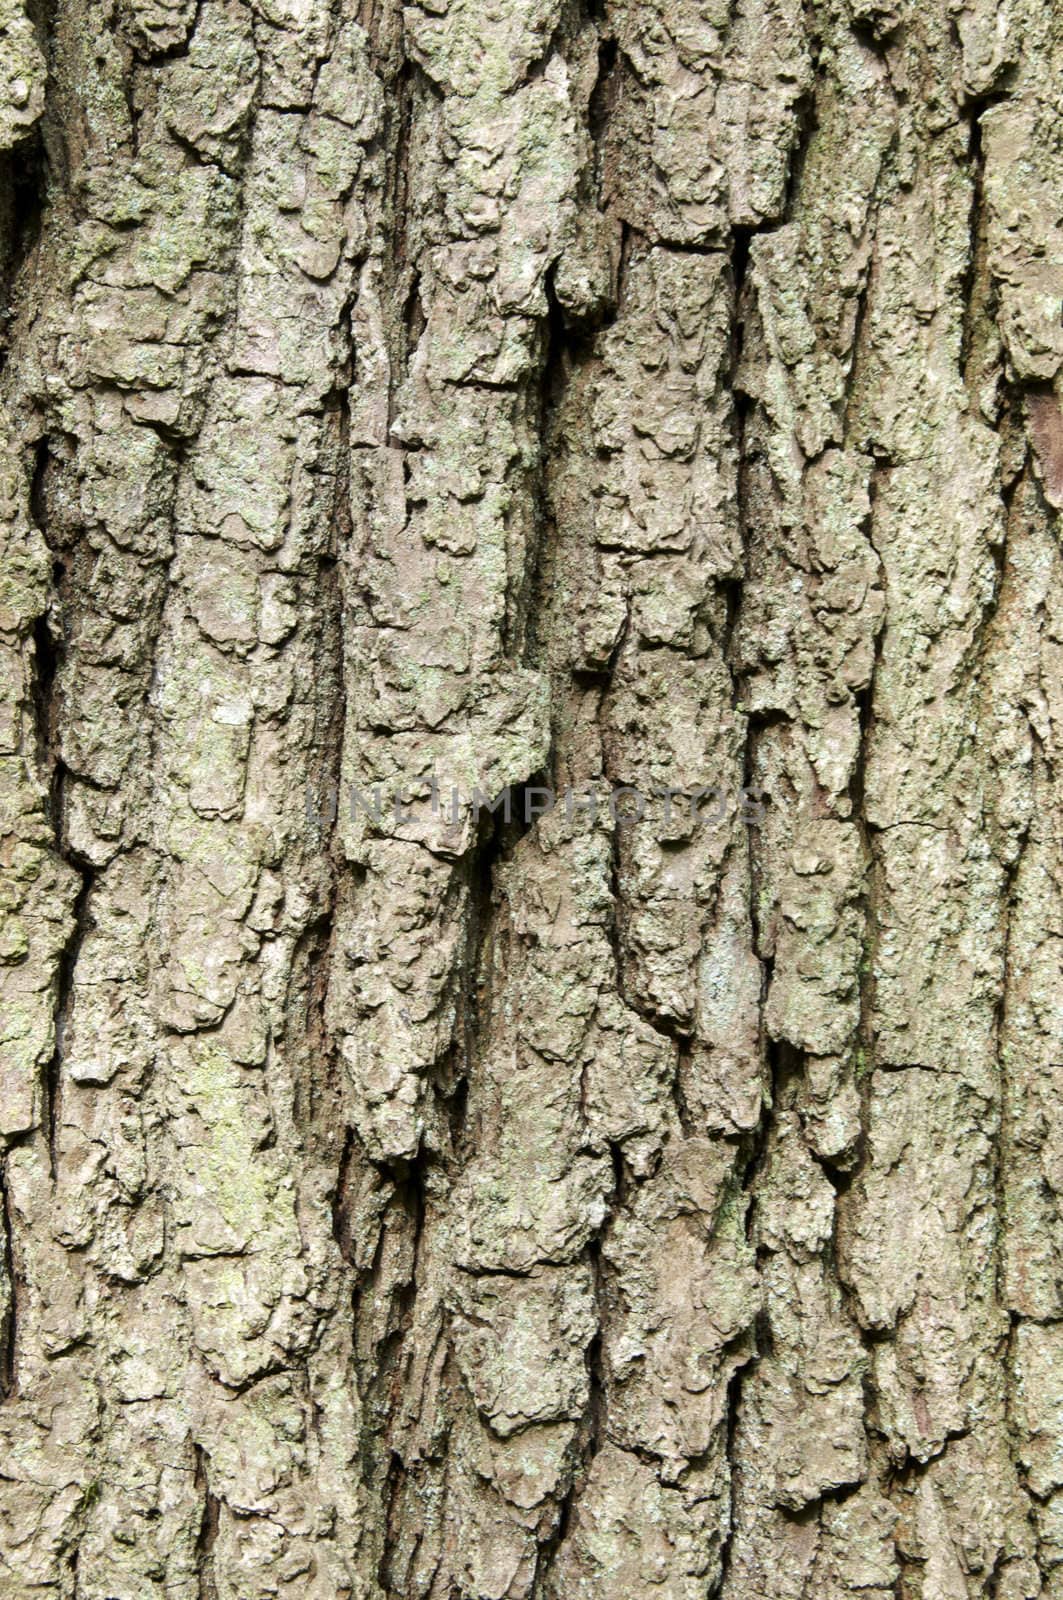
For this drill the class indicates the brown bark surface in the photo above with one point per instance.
(530, 397)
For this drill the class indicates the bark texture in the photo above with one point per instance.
(557, 393)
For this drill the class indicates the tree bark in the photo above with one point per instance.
(531, 401)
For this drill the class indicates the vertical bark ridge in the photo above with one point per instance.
(407, 1204)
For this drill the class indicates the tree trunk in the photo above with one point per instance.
(641, 419)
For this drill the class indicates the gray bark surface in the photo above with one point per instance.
(525, 395)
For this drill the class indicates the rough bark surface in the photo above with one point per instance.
(534, 393)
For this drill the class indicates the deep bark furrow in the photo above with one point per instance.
(403, 408)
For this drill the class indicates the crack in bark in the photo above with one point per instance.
(406, 1201)
(9, 1320)
(207, 1588)
(48, 653)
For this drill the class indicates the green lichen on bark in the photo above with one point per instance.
(643, 394)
